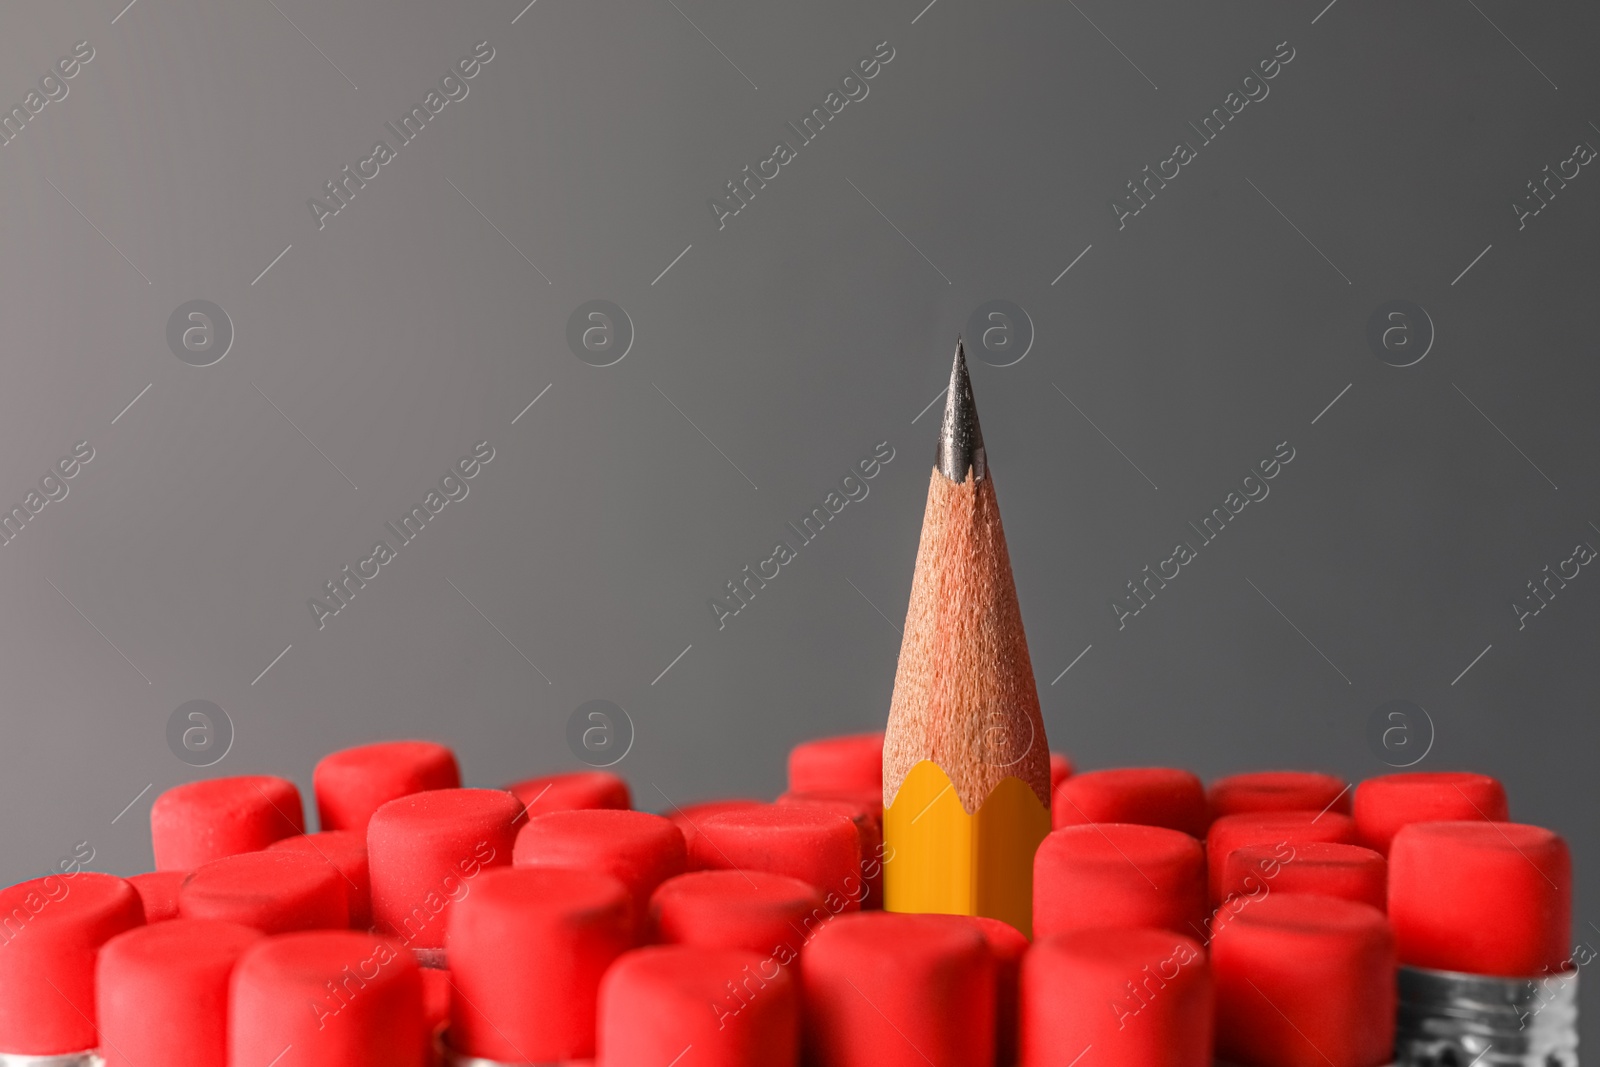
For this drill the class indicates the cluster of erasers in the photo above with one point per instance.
(1268, 921)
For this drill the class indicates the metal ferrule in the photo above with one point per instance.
(432, 958)
(1225, 1063)
(1452, 1020)
(451, 1058)
(86, 1058)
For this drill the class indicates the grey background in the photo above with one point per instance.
(809, 329)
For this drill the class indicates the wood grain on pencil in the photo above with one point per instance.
(964, 694)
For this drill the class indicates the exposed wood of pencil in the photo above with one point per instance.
(964, 693)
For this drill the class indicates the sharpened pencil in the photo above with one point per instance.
(966, 766)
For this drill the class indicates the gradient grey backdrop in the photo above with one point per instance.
(1222, 320)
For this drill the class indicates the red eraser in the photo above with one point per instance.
(687, 818)
(423, 850)
(346, 852)
(158, 890)
(852, 762)
(1008, 946)
(161, 993)
(1278, 791)
(866, 811)
(203, 821)
(1270, 828)
(754, 910)
(1383, 805)
(636, 848)
(572, 791)
(327, 998)
(888, 990)
(527, 949)
(1305, 981)
(654, 1001)
(1118, 874)
(804, 842)
(353, 783)
(863, 802)
(274, 892)
(1060, 769)
(1148, 796)
(50, 930)
(1138, 998)
(1481, 897)
(1348, 872)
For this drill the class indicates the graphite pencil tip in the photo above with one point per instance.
(960, 438)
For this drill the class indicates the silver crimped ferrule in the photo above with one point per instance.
(434, 959)
(1453, 1020)
(451, 1058)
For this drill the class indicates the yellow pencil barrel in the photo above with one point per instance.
(938, 858)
